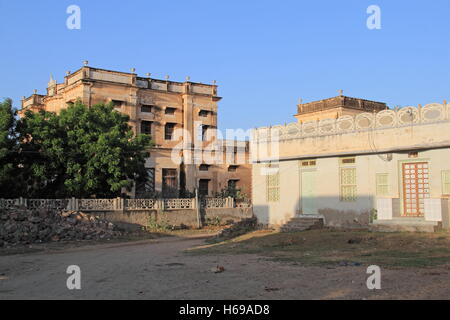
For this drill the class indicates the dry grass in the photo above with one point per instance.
(327, 248)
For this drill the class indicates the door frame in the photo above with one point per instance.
(400, 181)
(304, 170)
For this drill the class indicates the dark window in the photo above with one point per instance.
(232, 168)
(203, 187)
(169, 182)
(170, 111)
(309, 163)
(148, 184)
(204, 167)
(204, 132)
(348, 160)
(203, 113)
(146, 127)
(168, 131)
(232, 184)
(117, 103)
(146, 108)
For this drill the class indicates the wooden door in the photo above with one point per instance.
(416, 188)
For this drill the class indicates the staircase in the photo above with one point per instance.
(302, 223)
(405, 224)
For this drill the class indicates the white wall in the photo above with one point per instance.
(328, 202)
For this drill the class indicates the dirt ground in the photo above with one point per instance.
(168, 268)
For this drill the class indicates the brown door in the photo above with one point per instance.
(203, 187)
(169, 183)
(416, 187)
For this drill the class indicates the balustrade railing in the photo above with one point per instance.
(119, 204)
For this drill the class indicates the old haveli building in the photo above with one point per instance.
(159, 108)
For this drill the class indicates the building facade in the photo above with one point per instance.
(390, 166)
(181, 117)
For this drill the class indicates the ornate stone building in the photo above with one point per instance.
(178, 116)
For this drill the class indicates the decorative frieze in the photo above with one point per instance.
(408, 116)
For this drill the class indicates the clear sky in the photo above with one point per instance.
(264, 54)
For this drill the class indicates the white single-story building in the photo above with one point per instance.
(389, 167)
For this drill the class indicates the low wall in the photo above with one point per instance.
(143, 218)
(225, 215)
(345, 219)
(184, 217)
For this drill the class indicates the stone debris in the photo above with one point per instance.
(218, 269)
(349, 264)
(238, 228)
(269, 289)
(24, 226)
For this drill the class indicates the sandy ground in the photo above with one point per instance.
(160, 269)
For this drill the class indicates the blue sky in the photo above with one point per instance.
(264, 54)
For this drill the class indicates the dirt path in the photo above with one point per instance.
(159, 269)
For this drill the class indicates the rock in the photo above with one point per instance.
(269, 289)
(22, 226)
(218, 269)
(34, 219)
(237, 229)
(354, 241)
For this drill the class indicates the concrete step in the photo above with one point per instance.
(406, 222)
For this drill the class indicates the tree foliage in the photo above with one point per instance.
(231, 191)
(81, 152)
(8, 148)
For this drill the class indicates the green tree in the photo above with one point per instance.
(8, 150)
(232, 191)
(81, 152)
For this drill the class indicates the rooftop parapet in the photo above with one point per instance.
(131, 79)
(90, 74)
(400, 117)
(340, 102)
(35, 99)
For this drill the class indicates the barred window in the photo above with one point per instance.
(382, 180)
(446, 182)
(146, 108)
(148, 185)
(168, 131)
(146, 127)
(170, 111)
(348, 184)
(349, 160)
(308, 163)
(169, 183)
(273, 186)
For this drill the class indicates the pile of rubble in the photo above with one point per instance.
(237, 229)
(23, 226)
